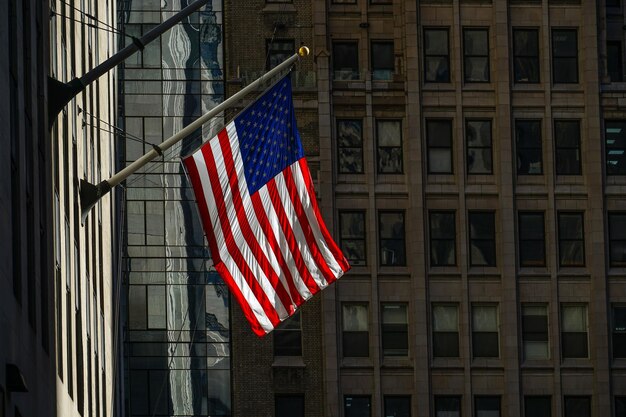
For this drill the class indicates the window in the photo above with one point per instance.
(442, 238)
(532, 245)
(382, 60)
(486, 406)
(352, 238)
(620, 406)
(289, 405)
(436, 56)
(564, 56)
(476, 55)
(577, 406)
(350, 146)
(357, 406)
(288, 337)
(528, 144)
(389, 146)
(439, 144)
(571, 239)
(278, 50)
(355, 330)
(615, 137)
(614, 61)
(478, 142)
(618, 326)
(345, 61)
(397, 406)
(567, 144)
(395, 333)
(535, 331)
(445, 331)
(482, 238)
(574, 331)
(156, 307)
(485, 331)
(526, 55)
(391, 238)
(617, 239)
(447, 406)
(537, 406)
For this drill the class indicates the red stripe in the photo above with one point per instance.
(292, 241)
(306, 227)
(246, 230)
(192, 170)
(230, 242)
(271, 239)
(339, 257)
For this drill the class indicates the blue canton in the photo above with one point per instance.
(268, 137)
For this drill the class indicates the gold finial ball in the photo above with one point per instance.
(303, 51)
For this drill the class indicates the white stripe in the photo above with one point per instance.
(257, 229)
(238, 238)
(238, 278)
(303, 195)
(290, 211)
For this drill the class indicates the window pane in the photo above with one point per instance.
(357, 406)
(526, 70)
(620, 406)
(289, 405)
(137, 318)
(476, 42)
(382, 60)
(528, 146)
(526, 42)
(355, 317)
(351, 160)
(391, 232)
(446, 406)
(388, 133)
(484, 318)
(394, 330)
(288, 337)
(615, 137)
(478, 133)
(614, 61)
(487, 406)
(574, 318)
(345, 61)
(531, 226)
(436, 42)
(389, 141)
(577, 407)
(440, 161)
(446, 345)
(567, 139)
(397, 406)
(442, 238)
(476, 69)
(156, 307)
(564, 56)
(537, 406)
(445, 318)
(278, 50)
(481, 225)
(437, 69)
(564, 43)
(349, 133)
(570, 226)
(352, 229)
(617, 239)
(619, 332)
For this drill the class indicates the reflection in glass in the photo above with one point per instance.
(479, 152)
(391, 238)
(567, 144)
(476, 55)
(389, 141)
(442, 238)
(382, 60)
(528, 147)
(482, 238)
(436, 56)
(352, 236)
(350, 146)
(526, 55)
(439, 141)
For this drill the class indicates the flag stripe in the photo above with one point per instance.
(239, 263)
(243, 215)
(314, 210)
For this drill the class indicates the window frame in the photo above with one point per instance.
(429, 147)
(564, 345)
(374, 69)
(519, 149)
(534, 58)
(493, 239)
(618, 336)
(340, 169)
(349, 334)
(284, 331)
(345, 406)
(487, 397)
(386, 331)
(355, 73)
(476, 333)
(544, 334)
(379, 147)
(532, 241)
(576, 397)
(555, 30)
(427, 57)
(435, 343)
(380, 238)
(558, 148)
(437, 401)
(396, 397)
(612, 240)
(608, 149)
(433, 240)
(561, 240)
(467, 57)
(537, 397)
(363, 239)
(468, 147)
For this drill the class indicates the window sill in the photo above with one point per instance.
(487, 363)
(279, 8)
(486, 273)
(288, 362)
(576, 364)
(356, 363)
(447, 363)
(397, 362)
(438, 87)
(540, 273)
(536, 364)
(617, 273)
(528, 87)
(619, 363)
(573, 274)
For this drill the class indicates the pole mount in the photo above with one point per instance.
(89, 195)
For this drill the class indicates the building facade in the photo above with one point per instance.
(471, 164)
(58, 276)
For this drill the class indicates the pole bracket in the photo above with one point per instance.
(89, 195)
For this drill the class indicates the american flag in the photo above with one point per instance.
(258, 207)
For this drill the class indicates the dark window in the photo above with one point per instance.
(485, 331)
(279, 1)
(289, 405)
(478, 142)
(614, 61)
(532, 244)
(395, 336)
(577, 406)
(397, 406)
(447, 406)
(382, 60)
(564, 56)
(442, 238)
(391, 238)
(476, 55)
(288, 337)
(486, 406)
(445, 331)
(526, 55)
(535, 331)
(567, 144)
(350, 146)
(612, 3)
(355, 330)
(620, 406)
(278, 50)
(439, 143)
(528, 146)
(352, 236)
(615, 137)
(344, 1)
(571, 239)
(389, 146)
(617, 239)
(436, 56)
(482, 235)
(537, 406)
(345, 61)
(357, 406)
(574, 331)
(619, 331)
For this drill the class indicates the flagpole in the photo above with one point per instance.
(90, 194)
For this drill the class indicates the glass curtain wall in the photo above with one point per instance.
(177, 360)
